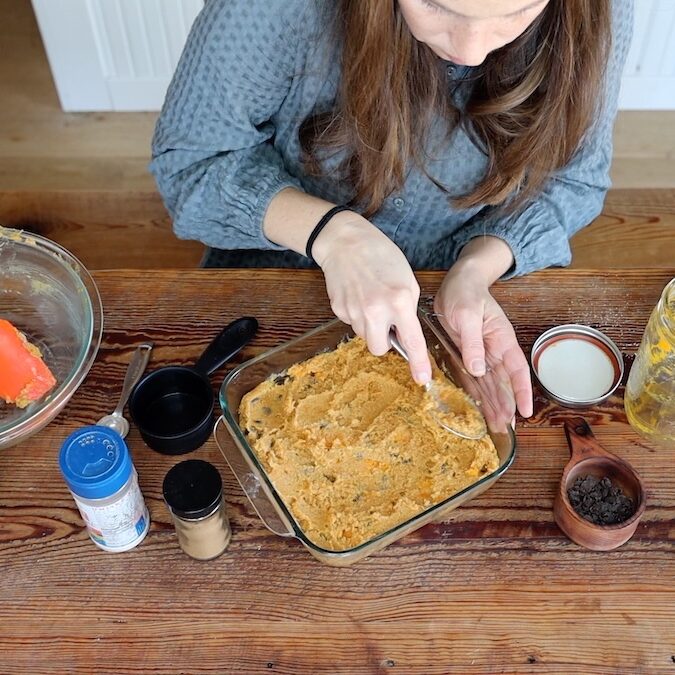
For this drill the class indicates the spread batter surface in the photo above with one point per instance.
(349, 443)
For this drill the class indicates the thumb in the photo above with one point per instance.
(471, 343)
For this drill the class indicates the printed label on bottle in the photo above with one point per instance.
(118, 524)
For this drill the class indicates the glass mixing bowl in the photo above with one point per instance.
(50, 297)
(492, 391)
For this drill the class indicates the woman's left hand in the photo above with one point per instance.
(477, 324)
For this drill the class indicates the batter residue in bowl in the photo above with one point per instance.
(351, 448)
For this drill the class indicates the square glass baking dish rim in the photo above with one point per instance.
(273, 501)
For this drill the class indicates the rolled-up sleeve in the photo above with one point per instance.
(214, 160)
(539, 234)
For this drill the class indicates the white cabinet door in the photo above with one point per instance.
(649, 76)
(120, 54)
(114, 54)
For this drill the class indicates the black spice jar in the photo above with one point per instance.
(193, 492)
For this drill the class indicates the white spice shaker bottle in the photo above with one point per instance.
(97, 467)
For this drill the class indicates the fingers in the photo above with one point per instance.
(374, 322)
(504, 397)
(516, 367)
(374, 327)
(373, 298)
(409, 332)
(377, 332)
(494, 392)
(519, 372)
(489, 336)
(471, 342)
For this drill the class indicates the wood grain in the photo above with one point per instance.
(640, 172)
(636, 229)
(104, 229)
(131, 229)
(30, 175)
(496, 588)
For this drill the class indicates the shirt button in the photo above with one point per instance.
(450, 70)
(399, 203)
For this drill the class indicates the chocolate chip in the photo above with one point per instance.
(599, 501)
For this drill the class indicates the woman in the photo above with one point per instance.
(468, 136)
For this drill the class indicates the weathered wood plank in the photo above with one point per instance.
(636, 229)
(131, 229)
(496, 587)
(104, 229)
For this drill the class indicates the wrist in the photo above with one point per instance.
(471, 269)
(342, 231)
(485, 259)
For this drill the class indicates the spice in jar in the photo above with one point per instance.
(97, 467)
(193, 492)
(650, 391)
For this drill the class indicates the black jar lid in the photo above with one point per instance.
(192, 489)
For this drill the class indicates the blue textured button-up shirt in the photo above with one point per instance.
(227, 142)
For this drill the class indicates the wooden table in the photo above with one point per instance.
(496, 588)
(636, 228)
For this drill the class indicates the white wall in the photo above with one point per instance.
(120, 54)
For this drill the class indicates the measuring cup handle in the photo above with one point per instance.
(231, 340)
(136, 368)
(580, 438)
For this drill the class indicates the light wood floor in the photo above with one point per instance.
(43, 150)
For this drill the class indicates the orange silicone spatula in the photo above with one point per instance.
(24, 377)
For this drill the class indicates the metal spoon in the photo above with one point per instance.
(139, 361)
(441, 406)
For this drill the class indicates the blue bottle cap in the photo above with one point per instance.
(95, 462)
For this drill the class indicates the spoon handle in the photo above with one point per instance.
(397, 345)
(430, 389)
(136, 367)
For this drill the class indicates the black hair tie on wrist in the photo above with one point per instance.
(319, 226)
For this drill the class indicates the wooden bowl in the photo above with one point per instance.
(588, 457)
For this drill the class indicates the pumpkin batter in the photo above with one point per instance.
(348, 442)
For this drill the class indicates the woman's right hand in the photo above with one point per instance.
(372, 287)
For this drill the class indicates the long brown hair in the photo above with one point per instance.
(531, 101)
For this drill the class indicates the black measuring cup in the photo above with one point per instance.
(173, 406)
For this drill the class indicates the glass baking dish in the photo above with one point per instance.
(491, 392)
